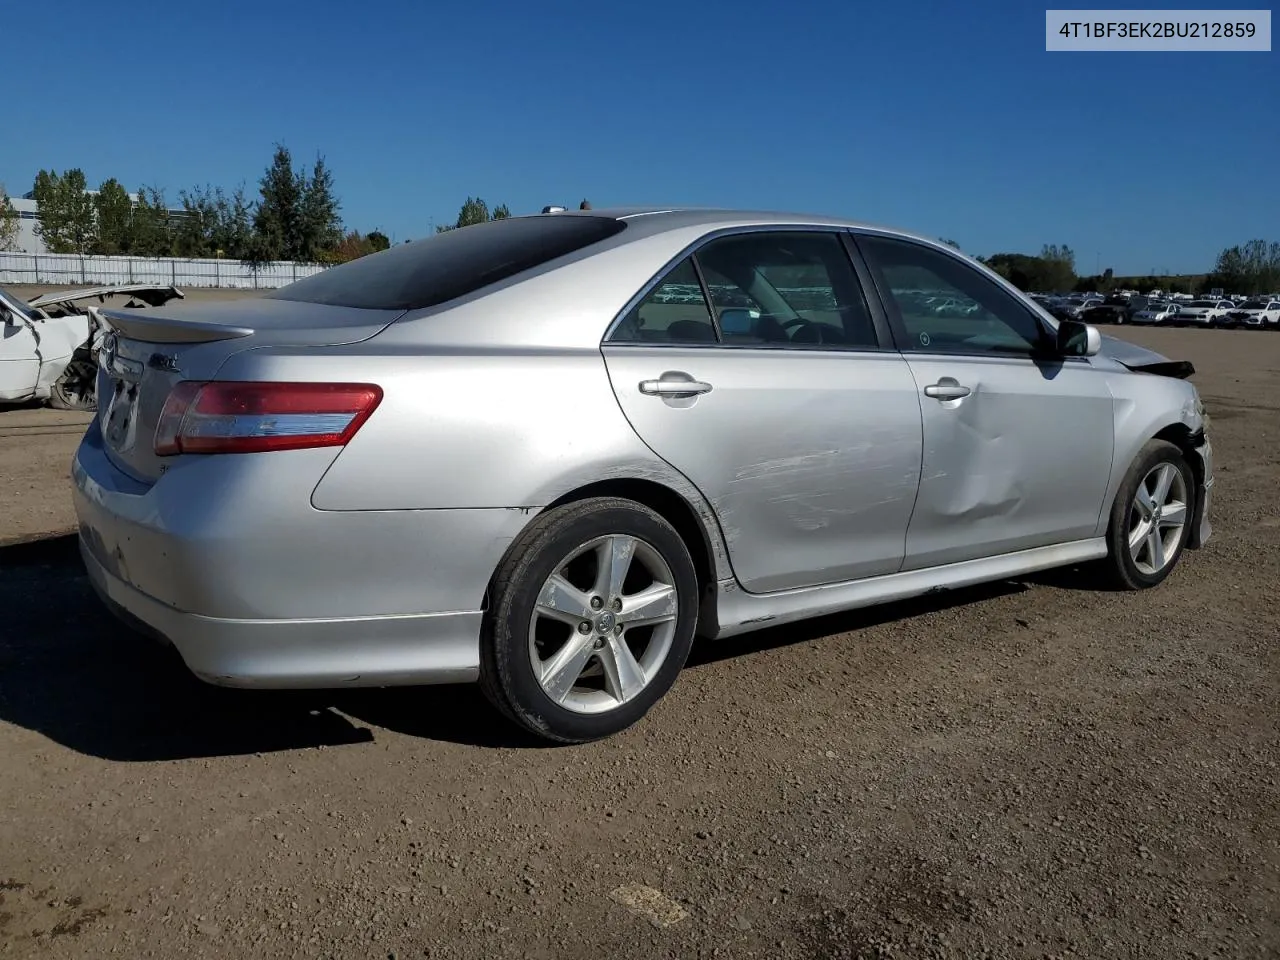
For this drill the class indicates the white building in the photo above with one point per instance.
(28, 240)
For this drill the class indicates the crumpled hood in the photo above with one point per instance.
(154, 294)
(1129, 354)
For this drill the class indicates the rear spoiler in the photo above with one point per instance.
(1178, 369)
(153, 329)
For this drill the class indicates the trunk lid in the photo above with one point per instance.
(147, 352)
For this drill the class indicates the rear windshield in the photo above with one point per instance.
(450, 264)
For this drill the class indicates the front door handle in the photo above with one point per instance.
(946, 389)
(668, 386)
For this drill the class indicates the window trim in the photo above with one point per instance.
(910, 348)
(883, 332)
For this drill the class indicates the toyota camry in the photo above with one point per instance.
(545, 453)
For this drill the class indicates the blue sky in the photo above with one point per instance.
(947, 118)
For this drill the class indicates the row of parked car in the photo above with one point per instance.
(1256, 312)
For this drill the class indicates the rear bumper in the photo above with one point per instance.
(361, 651)
(226, 559)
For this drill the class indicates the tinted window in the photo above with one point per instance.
(786, 289)
(947, 306)
(451, 264)
(674, 311)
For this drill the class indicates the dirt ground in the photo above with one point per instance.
(1030, 769)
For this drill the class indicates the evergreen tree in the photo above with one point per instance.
(277, 220)
(9, 222)
(149, 228)
(321, 225)
(114, 211)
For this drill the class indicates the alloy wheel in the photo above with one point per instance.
(603, 624)
(1157, 517)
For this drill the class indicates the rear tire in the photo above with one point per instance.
(563, 651)
(1150, 518)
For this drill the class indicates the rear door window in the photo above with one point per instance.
(674, 311)
(786, 289)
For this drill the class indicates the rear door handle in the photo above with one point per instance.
(946, 389)
(673, 387)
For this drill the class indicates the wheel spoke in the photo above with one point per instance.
(654, 604)
(1164, 480)
(595, 670)
(562, 671)
(1173, 514)
(614, 555)
(623, 677)
(561, 600)
(1143, 500)
(1155, 547)
(1138, 536)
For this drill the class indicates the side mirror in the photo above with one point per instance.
(1076, 339)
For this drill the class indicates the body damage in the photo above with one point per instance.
(49, 346)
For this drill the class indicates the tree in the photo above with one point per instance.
(8, 222)
(585, 205)
(193, 234)
(320, 226)
(378, 240)
(66, 215)
(233, 230)
(114, 211)
(1023, 271)
(277, 221)
(149, 228)
(949, 243)
(474, 211)
(350, 247)
(1249, 269)
(1059, 267)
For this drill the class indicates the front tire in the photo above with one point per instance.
(591, 617)
(76, 389)
(1150, 518)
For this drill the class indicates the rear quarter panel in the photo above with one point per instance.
(473, 428)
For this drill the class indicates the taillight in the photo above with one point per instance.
(251, 417)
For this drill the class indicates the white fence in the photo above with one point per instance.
(67, 268)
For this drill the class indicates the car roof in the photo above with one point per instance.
(649, 221)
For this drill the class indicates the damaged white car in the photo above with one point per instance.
(49, 347)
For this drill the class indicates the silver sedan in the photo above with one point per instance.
(546, 452)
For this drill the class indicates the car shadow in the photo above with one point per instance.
(71, 672)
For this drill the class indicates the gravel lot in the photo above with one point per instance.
(1031, 769)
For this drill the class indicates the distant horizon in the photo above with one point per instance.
(23, 201)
